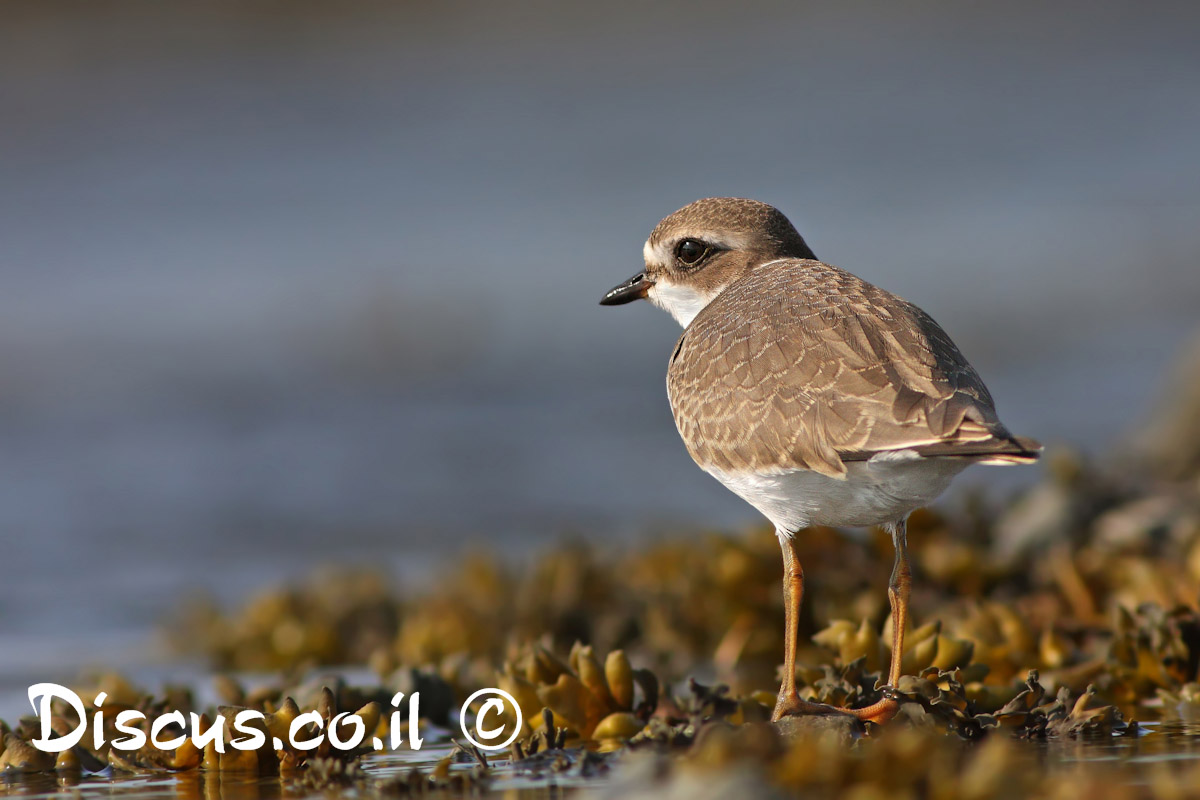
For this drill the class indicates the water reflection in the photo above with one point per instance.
(1162, 756)
(210, 786)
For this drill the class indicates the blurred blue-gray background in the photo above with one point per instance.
(290, 283)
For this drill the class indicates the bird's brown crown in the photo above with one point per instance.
(747, 224)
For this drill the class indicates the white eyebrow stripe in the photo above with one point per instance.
(727, 241)
(663, 253)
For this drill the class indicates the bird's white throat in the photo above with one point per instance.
(681, 302)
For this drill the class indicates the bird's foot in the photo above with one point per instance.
(879, 712)
(787, 705)
(790, 705)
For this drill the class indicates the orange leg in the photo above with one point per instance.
(789, 701)
(898, 590)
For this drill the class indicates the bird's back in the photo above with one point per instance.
(801, 365)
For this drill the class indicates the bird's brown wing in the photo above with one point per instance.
(801, 364)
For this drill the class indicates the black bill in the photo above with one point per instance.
(633, 289)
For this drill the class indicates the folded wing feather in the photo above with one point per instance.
(805, 365)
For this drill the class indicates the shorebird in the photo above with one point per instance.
(813, 395)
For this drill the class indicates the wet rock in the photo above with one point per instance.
(842, 727)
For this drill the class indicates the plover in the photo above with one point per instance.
(815, 396)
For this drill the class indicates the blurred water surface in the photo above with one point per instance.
(286, 283)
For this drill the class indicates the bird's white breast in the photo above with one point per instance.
(886, 488)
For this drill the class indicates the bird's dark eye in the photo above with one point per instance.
(691, 251)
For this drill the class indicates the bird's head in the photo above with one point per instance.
(692, 255)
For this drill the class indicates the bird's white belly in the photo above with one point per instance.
(885, 489)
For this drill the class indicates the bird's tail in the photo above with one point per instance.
(997, 450)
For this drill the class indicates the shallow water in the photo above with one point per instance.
(1141, 761)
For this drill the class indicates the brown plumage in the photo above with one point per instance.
(799, 364)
